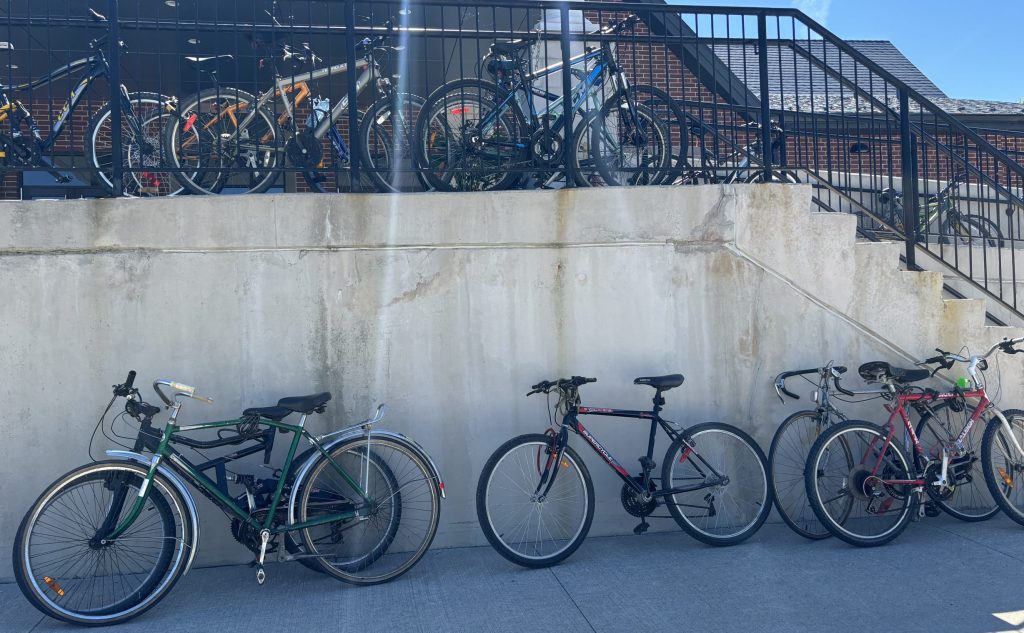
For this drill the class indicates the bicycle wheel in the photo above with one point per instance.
(857, 504)
(968, 497)
(968, 230)
(784, 176)
(525, 529)
(391, 532)
(469, 139)
(386, 135)
(143, 171)
(667, 110)
(722, 477)
(67, 574)
(787, 458)
(629, 146)
(210, 153)
(1003, 463)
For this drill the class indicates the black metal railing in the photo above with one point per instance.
(227, 97)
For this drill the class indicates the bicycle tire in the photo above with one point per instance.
(848, 527)
(791, 502)
(378, 138)
(944, 426)
(618, 167)
(667, 109)
(489, 500)
(751, 472)
(969, 230)
(784, 176)
(376, 558)
(1003, 472)
(198, 135)
(170, 565)
(434, 152)
(148, 108)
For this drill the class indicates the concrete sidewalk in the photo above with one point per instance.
(940, 575)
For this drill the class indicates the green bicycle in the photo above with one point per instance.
(109, 540)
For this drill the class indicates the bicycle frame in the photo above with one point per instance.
(97, 67)
(571, 422)
(918, 456)
(217, 493)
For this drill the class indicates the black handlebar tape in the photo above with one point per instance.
(131, 380)
(839, 387)
(787, 391)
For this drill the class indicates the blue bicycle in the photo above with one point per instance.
(479, 135)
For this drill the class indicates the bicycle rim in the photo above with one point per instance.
(85, 582)
(968, 497)
(534, 529)
(723, 512)
(628, 149)
(387, 135)
(1004, 464)
(392, 531)
(144, 174)
(468, 145)
(858, 503)
(788, 456)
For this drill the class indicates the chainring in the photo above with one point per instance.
(637, 504)
(304, 150)
(546, 147)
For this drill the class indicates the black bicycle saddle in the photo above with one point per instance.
(880, 371)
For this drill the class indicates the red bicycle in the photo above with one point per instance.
(864, 487)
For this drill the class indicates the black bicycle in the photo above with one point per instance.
(535, 498)
(142, 117)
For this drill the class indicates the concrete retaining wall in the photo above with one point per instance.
(447, 307)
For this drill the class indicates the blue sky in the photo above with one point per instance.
(969, 49)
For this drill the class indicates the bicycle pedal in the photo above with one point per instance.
(640, 529)
(261, 576)
(931, 510)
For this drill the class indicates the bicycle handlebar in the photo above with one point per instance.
(125, 388)
(780, 380)
(545, 386)
(946, 360)
(180, 389)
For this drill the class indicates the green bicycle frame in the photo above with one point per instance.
(215, 494)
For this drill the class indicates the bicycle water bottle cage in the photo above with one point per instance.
(881, 371)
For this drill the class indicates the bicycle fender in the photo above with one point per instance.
(398, 437)
(179, 485)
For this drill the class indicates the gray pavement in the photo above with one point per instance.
(940, 575)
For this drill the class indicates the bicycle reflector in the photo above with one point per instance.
(459, 111)
(52, 584)
(1006, 478)
(190, 122)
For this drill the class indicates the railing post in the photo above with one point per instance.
(762, 63)
(908, 169)
(114, 59)
(568, 114)
(353, 94)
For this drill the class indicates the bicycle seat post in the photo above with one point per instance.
(659, 402)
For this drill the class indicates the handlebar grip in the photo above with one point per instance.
(130, 381)
(840, 369)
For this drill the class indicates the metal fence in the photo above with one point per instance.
(230, 97)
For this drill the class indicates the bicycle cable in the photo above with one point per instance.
(99, 423)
